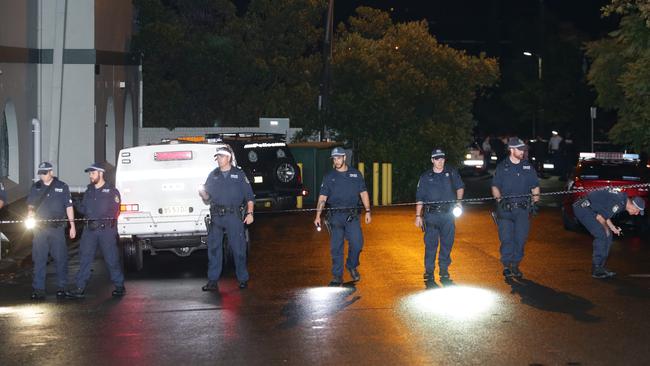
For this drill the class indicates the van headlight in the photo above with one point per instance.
(285, 172)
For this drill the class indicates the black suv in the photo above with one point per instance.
(269, 165)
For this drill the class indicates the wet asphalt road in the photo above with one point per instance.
(556, 315)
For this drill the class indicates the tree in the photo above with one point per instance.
(205, 65)
(397, 93)
(620, 72)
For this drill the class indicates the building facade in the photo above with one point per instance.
(66, 73)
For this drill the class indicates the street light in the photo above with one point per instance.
(541, 93)
(539, 62)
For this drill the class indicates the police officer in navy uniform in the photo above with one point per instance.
(100, 206)
(441, 183)
(514, 176)
(341, 189)
(595, 212)
(49, 199)
(226, 189)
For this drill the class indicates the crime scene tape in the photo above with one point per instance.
(166, 218)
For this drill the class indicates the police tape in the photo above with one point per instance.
(166, 219)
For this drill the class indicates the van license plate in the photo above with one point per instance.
(174, 210)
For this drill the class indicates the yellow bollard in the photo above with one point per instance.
(384, 184)
(362, 168)
(390, 183)
(299, 198)
(375, 184)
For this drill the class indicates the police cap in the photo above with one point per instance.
(639, 203)
(44, 167)
(516, 143)
(95, 167)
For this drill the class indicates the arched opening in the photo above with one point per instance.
(128, 122)
(9, 143)
(110, 131)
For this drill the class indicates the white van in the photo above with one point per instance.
(161, 209)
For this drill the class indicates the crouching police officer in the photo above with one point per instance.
(49, 199)
(100, 206)
(514, 176)
(227, 189)
(441, 183)
(341, 188)
(595, 212)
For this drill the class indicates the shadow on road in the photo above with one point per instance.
(316, 304)
(548, 299)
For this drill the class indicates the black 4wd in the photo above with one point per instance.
(269, 165)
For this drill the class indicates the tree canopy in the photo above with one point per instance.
(620, 72)
(396, 92)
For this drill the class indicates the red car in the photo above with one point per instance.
(607, 169)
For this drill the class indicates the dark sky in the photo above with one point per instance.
(471, 24)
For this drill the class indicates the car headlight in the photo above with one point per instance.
(468, 156)
(285, 172)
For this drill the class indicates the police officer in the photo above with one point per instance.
(341, 189)
(514, 176)
(49, 199)
(595, 212)
(441, 183)
(226, 189)
(100, 206)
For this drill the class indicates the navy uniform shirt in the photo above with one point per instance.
(515, 179)
(54, 204)
(100, 203)
(231, 189)
(342, 188)
(441, 186)
(607, 203)
(3, 194)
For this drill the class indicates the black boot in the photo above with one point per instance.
(119, 291)
(336, 281)
(211, 286)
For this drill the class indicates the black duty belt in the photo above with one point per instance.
(583, 202)
(216, 210)
(509, 206)
(352, 213)
(99, 225)
(440, 208)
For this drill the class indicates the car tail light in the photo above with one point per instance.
(304, 192)
(172, 155)
(129, 207)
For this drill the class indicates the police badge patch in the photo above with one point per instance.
(117, 199)
(615, 209)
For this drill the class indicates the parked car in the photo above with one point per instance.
(474, 162)
(607, 169)
(269, 165)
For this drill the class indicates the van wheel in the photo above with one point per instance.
(132, 255)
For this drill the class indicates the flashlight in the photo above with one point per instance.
(318, 228)
(457, 211)
(30, 223)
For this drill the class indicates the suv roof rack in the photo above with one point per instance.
(247, 136)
